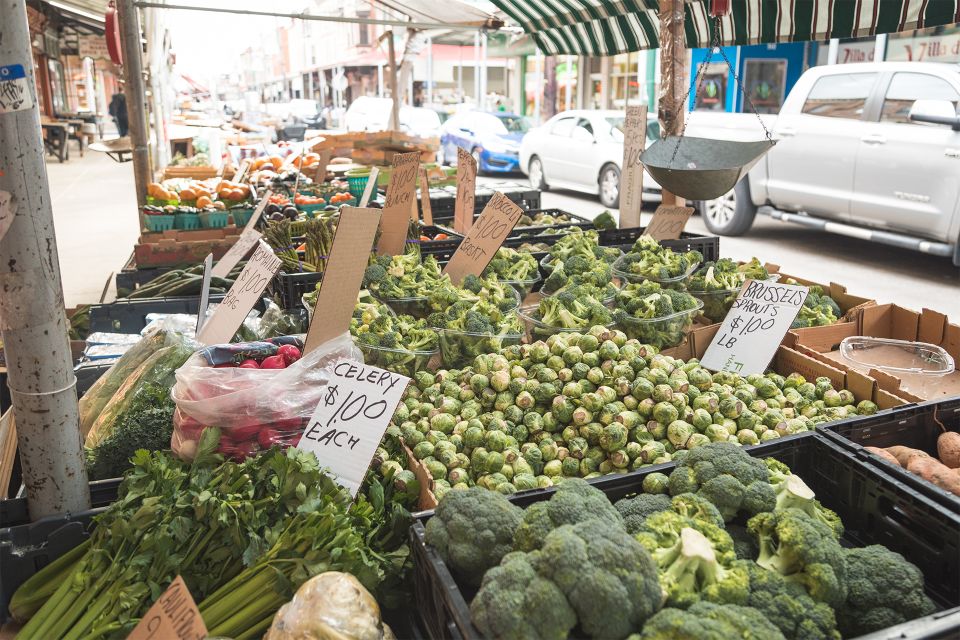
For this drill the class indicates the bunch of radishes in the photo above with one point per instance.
(286, 355)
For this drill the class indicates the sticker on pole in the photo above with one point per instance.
(174, 616)
(14, 89)
(751, 333)
(351, 418)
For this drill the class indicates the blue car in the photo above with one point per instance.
(492, 138)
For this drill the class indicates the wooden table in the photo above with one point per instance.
(120, 149)
(55, 139)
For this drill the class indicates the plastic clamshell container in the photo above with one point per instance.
(607, 301)
(546, 263)
(459, 348)
(402, 361)
(157, 223)
(717, 303)
(416, 306)
(241, 216)
(917, 364)
(619, 271)
(523, 287)
(652, 330)
(213, 219)
(539, 330)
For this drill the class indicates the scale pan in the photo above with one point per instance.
(704, 168)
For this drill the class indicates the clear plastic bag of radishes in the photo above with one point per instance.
(258, 393)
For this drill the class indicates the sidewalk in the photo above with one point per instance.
(95, 217)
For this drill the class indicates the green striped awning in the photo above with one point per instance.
(607, 27)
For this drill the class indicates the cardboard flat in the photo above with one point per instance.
(847, 302)
(668, 222)
(320, 171)
(396, 209)
(478, 247)
(344, 275)
(466, 191)
(174, 616)
(631, 176)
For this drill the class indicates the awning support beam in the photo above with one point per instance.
(491, 23)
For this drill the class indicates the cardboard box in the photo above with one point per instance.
(887, 321)
(848, 303)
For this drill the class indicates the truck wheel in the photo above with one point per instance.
(731, 214)
(609, 186)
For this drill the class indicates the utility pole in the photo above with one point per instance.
(32, 318)
(135, 90)
(673, 59)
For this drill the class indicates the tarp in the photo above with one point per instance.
(608, 27)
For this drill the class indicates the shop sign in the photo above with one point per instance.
(939, 48)
(93, 47)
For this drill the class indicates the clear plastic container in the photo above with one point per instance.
(607, 301)
(717, 303)
(918, 365)
(546, 263)
(620, 271)
(666, 331)
(538, 330)
(460, 348)
(523, 287)
(402, 361)
(416, 306)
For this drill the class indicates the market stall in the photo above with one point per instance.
(319, 406)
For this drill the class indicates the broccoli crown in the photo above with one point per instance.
(802, 549)
(727, 476)
(793, 493)
(574, 501)
(883, 589)
(636, 509)
(786, 605)
(708, 621)
(693, 557)
(608, 577)
(472, 530)
(516, 603)
(743, 543)
(692, 505)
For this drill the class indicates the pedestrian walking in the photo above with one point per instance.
(118, 111)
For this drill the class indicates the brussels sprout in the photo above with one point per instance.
(867, 408)
(662, 393)
(768, 435)
(570, 467)
(707, 401)
(716, 433)
(423, 450)
(495, 462)
(701, 419)
(436, 469)
(748, 420)
(553, 468)
(457, 476)
(679, 432)
(657, 429)
(665, 413)
(495, 440)
(747, 437)
(697, 440)
(655, 483)
(582, 416)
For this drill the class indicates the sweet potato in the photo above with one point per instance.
(935, 472)
(905, 454)
(948, 448)
(883, 453)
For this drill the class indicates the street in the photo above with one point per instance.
(886, 274)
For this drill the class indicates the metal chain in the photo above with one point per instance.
(746, 95)
(701, 75)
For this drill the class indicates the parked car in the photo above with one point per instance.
(368, 113)
(582, 150)
(867, 150)
(492, 138)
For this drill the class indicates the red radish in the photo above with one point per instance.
(274, 362)
(249, 364)
(248, 433)
(290, 353)
(289, 424)
(269, 437)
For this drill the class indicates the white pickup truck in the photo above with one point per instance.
(870, 151)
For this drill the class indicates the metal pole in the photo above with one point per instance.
(32, 319)
(833, 51)
(136, 100)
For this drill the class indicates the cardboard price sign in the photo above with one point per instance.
(350, 420)
(244, 243)
(749, 336)
(320, 173)
(631, 176)
(174, 616)
(396, 208)
(495, 223)
(668, 222)
(425, 206)
(204, 292)
(466, 191)
(344, 275)
(246, 289)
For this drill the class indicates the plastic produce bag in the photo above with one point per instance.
(157, 371)
(254, 408)
(330, 606)
(100, 393)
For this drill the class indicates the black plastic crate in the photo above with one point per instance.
(130, 280)
(709, 246)
(876, 508)
(14, 513)
(130, 316)
(26, 549)
(289, 288)
(575, 220)
(88, 373)
(915, 426)
(442, 200)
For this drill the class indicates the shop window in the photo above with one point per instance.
(840, 96)
(905, 88)
(764, 81)
(364, 38)
(712, 91)
(58, 90)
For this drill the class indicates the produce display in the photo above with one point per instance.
(211, 194)
(649, 260)
(576, 307)
(244, 535)
(718, 284)
(942, 472)
(181, 282)
(579, 243)
(654, 315)
(518, 268)
(402, 344)
(818, 309)
(587, 404)
(729, 546)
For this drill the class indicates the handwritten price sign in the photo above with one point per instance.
(631, 182)
(350, 420)
(401, 193)
(466, 191)
(751, 333)
(174, 616)
(668, 222)
(244, 243)
(476, 251)
(241, 297)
